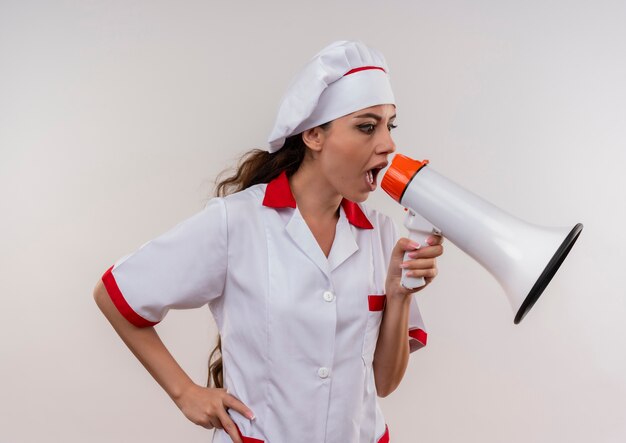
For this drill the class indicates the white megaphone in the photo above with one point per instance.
(523, 257)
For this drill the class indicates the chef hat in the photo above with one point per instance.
(342, 78)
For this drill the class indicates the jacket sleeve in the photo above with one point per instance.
(183, 268)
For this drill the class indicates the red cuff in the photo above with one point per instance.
(420, 335)
(120, 302)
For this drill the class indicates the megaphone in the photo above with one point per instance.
(522, 257)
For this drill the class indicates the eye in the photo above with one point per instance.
(368, 128)
(392, 126)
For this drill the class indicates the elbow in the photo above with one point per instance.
(386, 387)
(102, 298)
(98, 292)
(386, 378)
(383, 394)
(384, 391)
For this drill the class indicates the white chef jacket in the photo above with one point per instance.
(298, 329)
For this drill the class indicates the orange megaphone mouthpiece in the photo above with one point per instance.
(400, 174)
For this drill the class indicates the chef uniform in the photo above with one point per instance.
(298, 329)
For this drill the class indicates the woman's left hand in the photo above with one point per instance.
(422, 263)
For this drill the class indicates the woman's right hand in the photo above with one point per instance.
(207, 407)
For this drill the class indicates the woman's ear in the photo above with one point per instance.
(314, 138)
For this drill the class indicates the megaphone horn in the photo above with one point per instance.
(523, 257)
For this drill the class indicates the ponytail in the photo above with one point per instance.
(259, 166)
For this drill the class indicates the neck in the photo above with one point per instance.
(314, 196)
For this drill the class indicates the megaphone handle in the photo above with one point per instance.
(414, 282)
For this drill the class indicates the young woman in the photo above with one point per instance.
(302, 279)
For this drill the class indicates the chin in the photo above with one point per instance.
(358, 198)
(354, 193)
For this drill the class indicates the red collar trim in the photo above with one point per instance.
(278, 195)
(355, 215)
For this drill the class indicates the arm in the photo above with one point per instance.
(392, 349)
(203, 406)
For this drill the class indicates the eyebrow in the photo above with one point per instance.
(374, 116)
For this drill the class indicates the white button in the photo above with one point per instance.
(323, 372)
(329, 296)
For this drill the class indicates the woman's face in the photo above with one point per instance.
(353, 150)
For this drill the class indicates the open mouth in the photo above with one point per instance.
(371, 177)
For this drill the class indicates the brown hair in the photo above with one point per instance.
(254, 167)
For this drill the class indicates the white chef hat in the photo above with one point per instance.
(342, 78)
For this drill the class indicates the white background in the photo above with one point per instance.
(116, 117)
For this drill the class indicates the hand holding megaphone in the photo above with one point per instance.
(523, 257)
(419, 230)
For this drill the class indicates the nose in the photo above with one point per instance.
(386, 144)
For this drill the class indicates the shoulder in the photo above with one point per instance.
(252, 196)
(241, 206)
(249, 195)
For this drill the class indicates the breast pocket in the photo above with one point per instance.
(376, 307)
